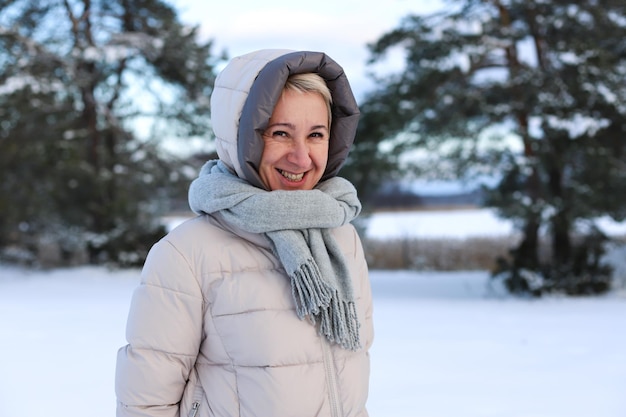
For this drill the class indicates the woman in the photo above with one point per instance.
(261, 305)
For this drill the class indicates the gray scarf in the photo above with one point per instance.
(298, 224)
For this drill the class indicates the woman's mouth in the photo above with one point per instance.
(291, 176)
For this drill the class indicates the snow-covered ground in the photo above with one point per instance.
(447, 345)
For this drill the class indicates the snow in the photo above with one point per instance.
(437, 224)
(457, 224)
(447, 344)
(578, 125)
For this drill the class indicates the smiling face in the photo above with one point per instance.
(296, 142)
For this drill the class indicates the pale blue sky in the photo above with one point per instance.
(340, 28)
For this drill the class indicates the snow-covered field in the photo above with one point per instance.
(447, 345)
(455, 224)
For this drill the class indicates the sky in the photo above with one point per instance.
(341, 29)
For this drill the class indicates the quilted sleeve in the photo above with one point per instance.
(164, 331)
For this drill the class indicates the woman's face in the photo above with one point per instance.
(296, 142)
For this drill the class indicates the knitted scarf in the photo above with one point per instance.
(297, 224)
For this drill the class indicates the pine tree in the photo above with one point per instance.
(547, 77)
(89, 90)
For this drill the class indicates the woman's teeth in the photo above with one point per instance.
(290, 176)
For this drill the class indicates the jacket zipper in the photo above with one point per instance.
(331, 378)
(194, 409)
(197, 397)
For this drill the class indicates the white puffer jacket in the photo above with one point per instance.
(212, 329)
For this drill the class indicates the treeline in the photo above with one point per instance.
(530, 94)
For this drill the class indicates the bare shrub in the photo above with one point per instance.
(476, 253)
(445, 254)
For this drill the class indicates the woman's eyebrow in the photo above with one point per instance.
(292, 126)
(285, 124)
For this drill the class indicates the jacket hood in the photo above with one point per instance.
(244, 97)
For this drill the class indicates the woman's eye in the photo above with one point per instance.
(317, 135)
(279, 134)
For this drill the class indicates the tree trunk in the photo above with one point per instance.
(560, 222)
(561, 242)
(526, 253)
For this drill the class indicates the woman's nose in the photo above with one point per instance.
(299, 153)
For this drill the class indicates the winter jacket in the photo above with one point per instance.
(212, 328)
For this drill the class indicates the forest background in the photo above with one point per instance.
(523, 100)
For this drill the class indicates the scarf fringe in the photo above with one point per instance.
(314, 298)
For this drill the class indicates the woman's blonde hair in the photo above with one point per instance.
(311, 82)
